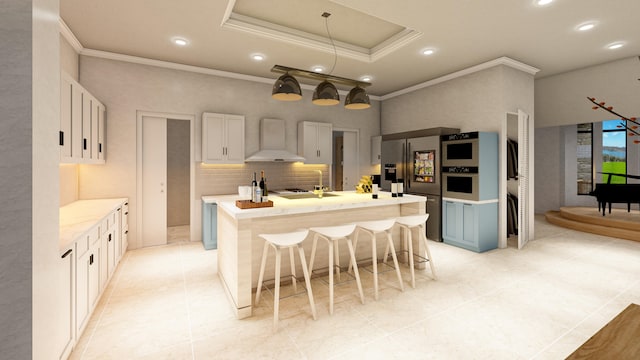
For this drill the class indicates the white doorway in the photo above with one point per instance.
(346, 157)
(156, 174)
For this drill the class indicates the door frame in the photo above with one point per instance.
(357, 132)
(192, 169)
(529, 219)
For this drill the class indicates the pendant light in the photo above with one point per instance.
(357, 99)
(326, 93)
(286, 88)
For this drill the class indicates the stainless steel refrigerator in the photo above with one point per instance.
(413, 158)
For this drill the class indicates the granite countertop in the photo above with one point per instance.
(282, 206)
(79, 216)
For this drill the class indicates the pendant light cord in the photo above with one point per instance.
(335, 52)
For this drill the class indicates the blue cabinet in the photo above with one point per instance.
(470, 225)
(210, 225)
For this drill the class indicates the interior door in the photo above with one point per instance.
(350, 176)
(525, 196)
(154, 180)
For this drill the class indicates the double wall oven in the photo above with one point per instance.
(460, 163)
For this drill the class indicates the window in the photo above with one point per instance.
(585, 158)
(614, 151)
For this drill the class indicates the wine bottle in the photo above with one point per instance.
(254, 186)
(263, 187)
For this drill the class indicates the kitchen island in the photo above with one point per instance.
(240, 248)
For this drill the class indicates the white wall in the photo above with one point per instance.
(474, 102)
(126, 88)
(562, 99)
(30, 108)
(68, 59)
(15, 179)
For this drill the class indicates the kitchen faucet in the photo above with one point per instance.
(319, 189)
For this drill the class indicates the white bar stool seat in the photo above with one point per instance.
(373, 228)
(332, 234)
(407, 224)
(279, 242)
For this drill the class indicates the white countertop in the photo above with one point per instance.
(282, 206)
(79, 216)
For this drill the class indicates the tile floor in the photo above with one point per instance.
(538, 303)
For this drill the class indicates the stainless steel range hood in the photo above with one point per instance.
(273, 143)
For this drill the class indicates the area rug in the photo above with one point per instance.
(619, 339)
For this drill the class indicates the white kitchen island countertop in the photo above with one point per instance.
(281, 206)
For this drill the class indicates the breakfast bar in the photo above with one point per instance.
(240, 248)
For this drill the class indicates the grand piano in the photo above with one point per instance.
(616, 193)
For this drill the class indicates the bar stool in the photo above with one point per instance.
(408, 223)
(374, 228)
(279, 242)
(332, 234)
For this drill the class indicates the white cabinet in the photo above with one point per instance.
(376, 149)
(222, 138)
(89, 269)
(66, 290)
(87, 277)
(315, 142)
(82, 124)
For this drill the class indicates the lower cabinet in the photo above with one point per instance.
(210, 225)
(87, 277)
(470, 225)
(87, 271)
(66, 290)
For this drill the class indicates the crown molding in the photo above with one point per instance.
(489, 64)
(69, 36)
(292, 36)
(193, 69)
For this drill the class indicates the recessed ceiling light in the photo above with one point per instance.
(180, 42)
(427, 52)
(318, 69)
(615, 45)
(543, 2)
(257, 57)
(586, 26)
(366, 78)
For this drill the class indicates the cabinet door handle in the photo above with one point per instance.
(109, 237)
(100, 147)
(61, 137)
(84, 143)
(127, 213)
(91, 259)
(67, 253)
(126, 232)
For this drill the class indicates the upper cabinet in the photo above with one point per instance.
(376, 149)
(222, 138)
(314, 142)
(82, 124)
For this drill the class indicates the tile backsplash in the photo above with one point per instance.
(225, 179)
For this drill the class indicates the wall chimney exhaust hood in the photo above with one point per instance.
(273, 143)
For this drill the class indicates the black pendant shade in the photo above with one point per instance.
(357, 99)
(326, 94)
(286, 88)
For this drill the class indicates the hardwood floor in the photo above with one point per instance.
(619, 223)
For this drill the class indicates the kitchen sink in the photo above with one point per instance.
(306, 195)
